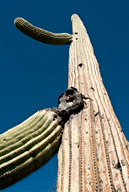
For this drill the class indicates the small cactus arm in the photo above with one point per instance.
(26, 147)
(41, 34)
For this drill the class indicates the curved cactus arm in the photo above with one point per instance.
(26, 147)
(41, 34)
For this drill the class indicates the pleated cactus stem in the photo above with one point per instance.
(29, 145)
(93, 155)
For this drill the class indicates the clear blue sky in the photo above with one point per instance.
(33, 75)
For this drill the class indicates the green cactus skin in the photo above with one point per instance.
(26, 147)
(41, 34)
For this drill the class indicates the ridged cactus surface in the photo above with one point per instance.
(94, 152)
(28, 146)
(41, 34)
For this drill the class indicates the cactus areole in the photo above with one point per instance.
(93, 152)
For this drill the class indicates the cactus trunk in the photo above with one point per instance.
(93, 155)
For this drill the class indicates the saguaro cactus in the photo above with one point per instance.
(93, 155)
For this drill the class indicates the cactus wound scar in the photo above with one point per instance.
(70, 102)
